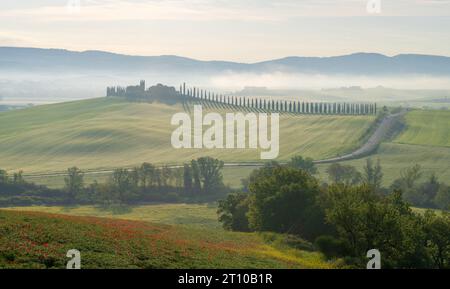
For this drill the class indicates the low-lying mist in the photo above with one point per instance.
(40, 88)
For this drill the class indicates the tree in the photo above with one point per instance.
(74, 183)
(373, 175)
(409, 176)
(187, 178)
(147, 175)
(177, 175)
(18, 178)
(3, 177)
(232, 212)
(166, 175)
(306, 164)
(442, 198)
(285, 201)
(428, 190)
(197, 186)
(210, 172)
(438, 245)
(365, 220)
(408, 184)
(345, 174)
(121, 184)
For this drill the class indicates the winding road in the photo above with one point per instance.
(368, 147)
(372, 143)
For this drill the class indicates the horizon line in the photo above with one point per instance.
(216, 60)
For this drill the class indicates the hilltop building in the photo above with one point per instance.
(158, 92)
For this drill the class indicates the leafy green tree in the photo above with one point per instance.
(266, 170)
(210, 171)
(74, 183)
(364, 220)
(166, 175)
(408, 183)
(135, 179)
(3, 177)
(438, 236)
(18, 178)
(373, 174)
(442, 198)
(147, 175)
(121, 184)
(102, 194)
(409, 177)
(345, 174)
(428, 190)
(233, 211)
(177, 175)
(306, 164)
(285, 200)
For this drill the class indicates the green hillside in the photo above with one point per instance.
(108, 133)
(40, 240)
(427, 127)
(395, 157)
(424, 141)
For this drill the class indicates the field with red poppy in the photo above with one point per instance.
(41, 240)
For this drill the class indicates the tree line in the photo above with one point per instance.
(199, 180)
(344, 218)
(280, 105)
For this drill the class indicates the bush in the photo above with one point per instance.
(330, 246)
(287, 240)
(233, 212)
(285, 201)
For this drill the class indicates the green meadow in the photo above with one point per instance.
(395, 157)
(106, 133)
(424, 141)
(427, 128)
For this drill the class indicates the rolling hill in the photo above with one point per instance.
(109, 133)
(430, 128)
(424, 141)
(41, 240)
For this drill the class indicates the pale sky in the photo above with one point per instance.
(236, 30)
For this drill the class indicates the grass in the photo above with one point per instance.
(41, 240)
(395, 157)
(196, 215)
(110, 133)
(426, 127)
(425, 141)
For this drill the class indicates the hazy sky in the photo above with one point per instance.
(238, 30)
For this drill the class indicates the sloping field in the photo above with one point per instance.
(427, 127)
(39, 240)
(110, 133)
(395, 157)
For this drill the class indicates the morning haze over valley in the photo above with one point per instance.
(224, 135)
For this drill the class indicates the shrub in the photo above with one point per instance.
(330, 246)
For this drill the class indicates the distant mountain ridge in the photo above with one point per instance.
(60, 60)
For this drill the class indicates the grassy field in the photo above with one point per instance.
(426, 127)
(41, 240)
(193, 215)
(109, 133)
(394, 157)
(425, 141)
